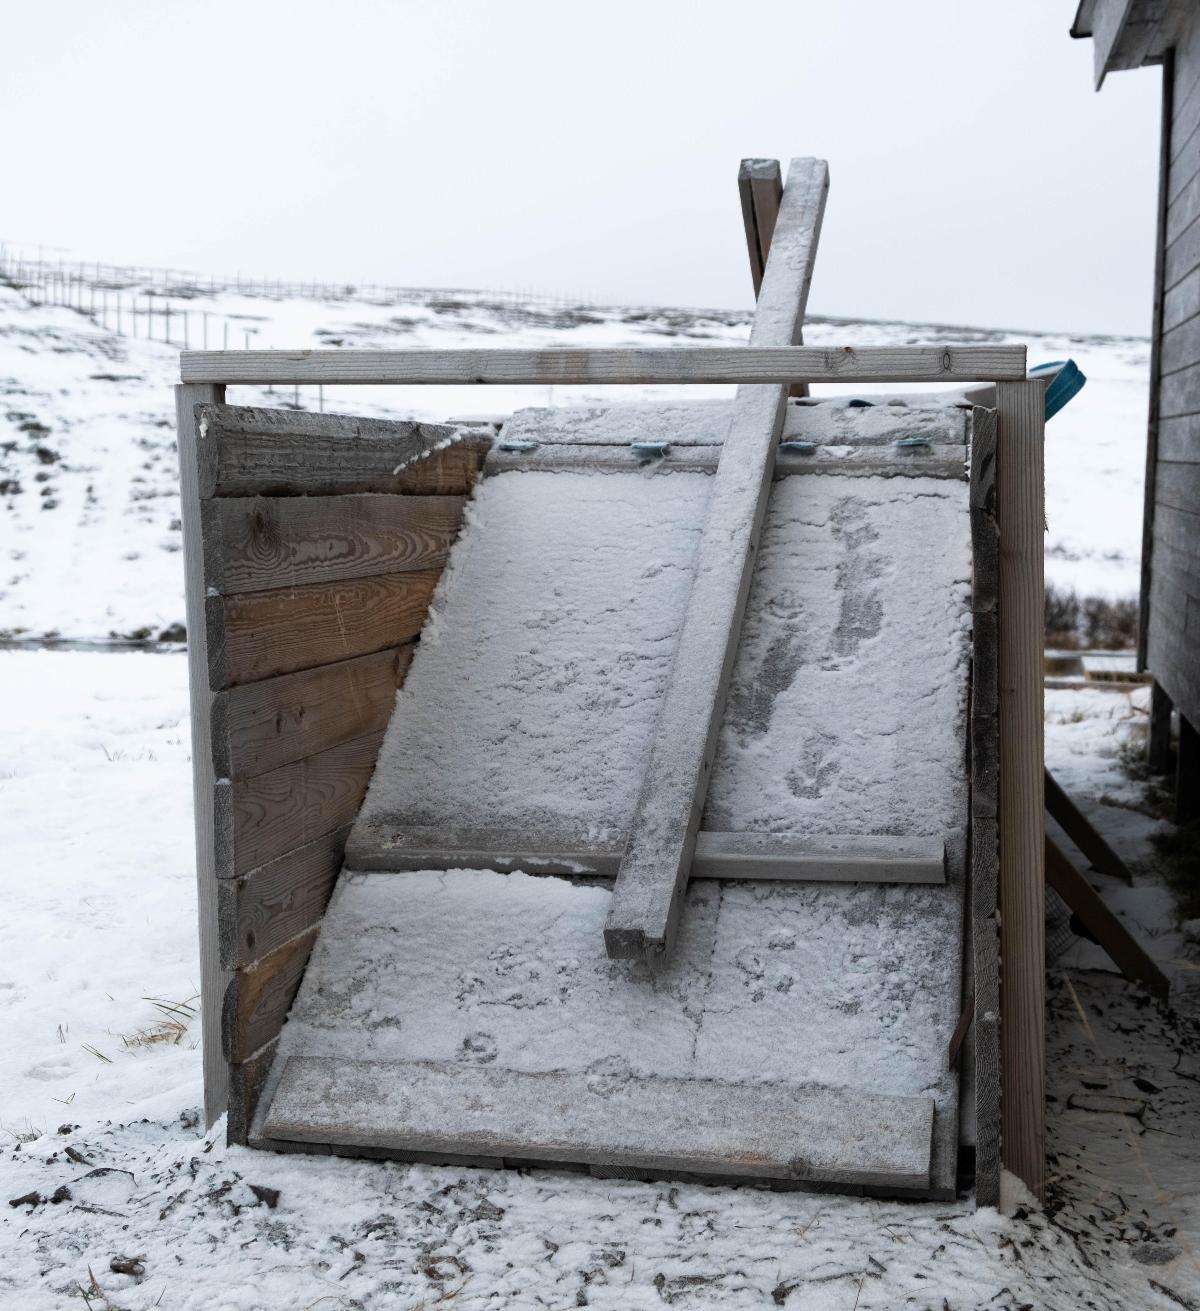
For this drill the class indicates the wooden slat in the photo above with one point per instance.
(246, 1082)
(985, 769)
(259, 997)
(212, 979)
(1020, 498)
(265, 817)
(1180, 392)
(760, 187)
(680, 364)
(261, 726)
(257, 635)
(1181, 346)
(1184, 210)
(1179, 303)
(646, 897)
(1181, 257)
(1179, 439)
(1123, 949)
(261, 910)
(250, 451)
(380, 846)
(660, 1125)
(1076, 825)
(255, 543)
(934, 461)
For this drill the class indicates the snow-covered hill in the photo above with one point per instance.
(90, 536)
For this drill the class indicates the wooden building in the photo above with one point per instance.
(1130, 34)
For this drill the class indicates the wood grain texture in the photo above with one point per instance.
(253, 451)
(259, 997)
(758, 180)
(255, 635)
(644, 914)
(1076, 825)
(755, 363)
(261, 726)
(664, 1124)
(212, 980)
(378, 845)
(1020, 501)
(246, 1082)
(262, 818)
(255, 543)
(985, 769)
(1123, 949)
(261, 910)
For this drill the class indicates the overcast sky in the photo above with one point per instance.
(590, 147)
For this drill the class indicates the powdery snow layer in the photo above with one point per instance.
(839, 985)
(532, 698)
(99, 913)
(89, 537)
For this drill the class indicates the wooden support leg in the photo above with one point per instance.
(1020, 500)
(1158, 750)
(1187, 774)
(212, 978)
(1080, 830)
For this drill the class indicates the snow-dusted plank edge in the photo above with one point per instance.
(747, 1131)
(619, 365)
(378, 845)
(644, 915)
(832, 422)
(934, 461)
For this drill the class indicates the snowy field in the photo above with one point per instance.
(90, 538)
(100, 1090)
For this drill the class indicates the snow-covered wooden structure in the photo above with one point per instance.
(1130, 34)
(711, 801)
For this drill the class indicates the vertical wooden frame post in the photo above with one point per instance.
(212, 978)
(1020, 504)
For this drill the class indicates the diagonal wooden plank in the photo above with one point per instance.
(653, 874)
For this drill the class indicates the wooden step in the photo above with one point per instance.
(613, 1121)
(379, 846)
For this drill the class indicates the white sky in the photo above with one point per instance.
(590, 148)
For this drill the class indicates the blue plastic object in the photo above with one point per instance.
(650, 450)
(1066, 382)
(794, 447)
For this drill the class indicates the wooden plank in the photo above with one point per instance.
(1179, 302)
(653, 874)
(1184, 210)
(1181, 346)
(1123, 949)
(1156, 357)
(1020, 500)
(1179, 439)
(212, 978)
(1182, 256)
(1108, 22)
(1076, 825)
(247, 1080)
(256, 635)
(260, 911)
(262, 726)
(934, 461)
(663, 1125)
(985, 770)
(255, 543)
(379, 846)
(760, 187)
(678, 364)
(259, 997)
(1158, 744)
(262, 818)
(1179, 392)
(1178, 488)
(253, 451)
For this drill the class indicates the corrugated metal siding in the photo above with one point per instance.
(1173, 637)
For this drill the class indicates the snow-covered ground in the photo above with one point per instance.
(99, 1095)
(89, 537)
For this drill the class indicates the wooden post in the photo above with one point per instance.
(213, 979)
(1187, 774)
(1158, 746)
(1020, 502)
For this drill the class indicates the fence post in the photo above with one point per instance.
(1020, 506)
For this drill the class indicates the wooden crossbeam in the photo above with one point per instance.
(377, 845)
(1083, 832)
(653, 875)
(1122, 947)
(672, 364)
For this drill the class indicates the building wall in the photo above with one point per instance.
(1171, 575)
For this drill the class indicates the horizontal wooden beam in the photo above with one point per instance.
(660, 1125)
(377, 846)
(703, 364)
